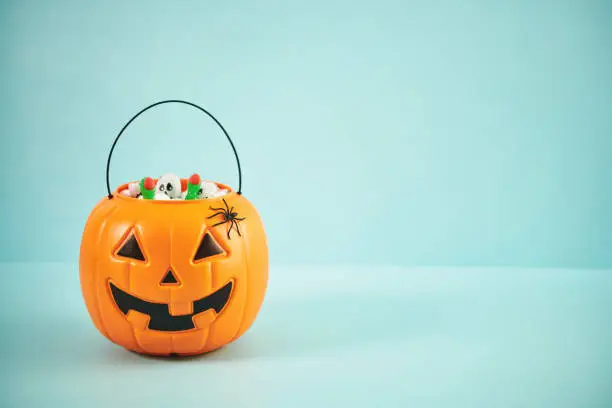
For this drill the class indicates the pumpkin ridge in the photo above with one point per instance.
(103, 207)
(212, 274)
(245, 264)
(132, 328)
(95, 277)
(211, 266)
(136, 234)
(172, 350)
(245, 250)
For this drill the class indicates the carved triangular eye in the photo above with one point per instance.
(131, 249)
(208, 247)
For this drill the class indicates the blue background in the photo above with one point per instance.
(375, 138)
(390, 132)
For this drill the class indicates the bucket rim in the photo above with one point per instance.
(117, 194)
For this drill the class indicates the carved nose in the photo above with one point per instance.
(169, 279)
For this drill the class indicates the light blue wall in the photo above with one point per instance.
(470, 132)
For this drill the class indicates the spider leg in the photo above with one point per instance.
(237, 228)
(216, 209)
(240, 219)
(230, 230)
(226, 207)
(219, 223)
(214, 215)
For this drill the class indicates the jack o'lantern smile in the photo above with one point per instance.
(159, 313)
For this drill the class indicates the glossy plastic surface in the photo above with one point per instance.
(169, 234)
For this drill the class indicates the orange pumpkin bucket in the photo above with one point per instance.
(173, 277)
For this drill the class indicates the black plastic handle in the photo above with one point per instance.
(110, 195)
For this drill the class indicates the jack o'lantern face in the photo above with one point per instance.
(177, 276)
(159, 313)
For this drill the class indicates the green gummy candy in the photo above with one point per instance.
(192, 191)
(146, 194)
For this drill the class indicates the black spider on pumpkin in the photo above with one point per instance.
(229, 215)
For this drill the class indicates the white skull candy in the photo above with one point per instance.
(208, 189)
(168, 187)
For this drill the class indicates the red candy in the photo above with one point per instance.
(194, 179)
(149, 183)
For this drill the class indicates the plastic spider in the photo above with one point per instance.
(229, 215)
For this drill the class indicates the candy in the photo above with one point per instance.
(161, 196)
(211, 190)
(134, 189)
(169, 185)
(147, 188)
(208, 189)
(193, 187)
